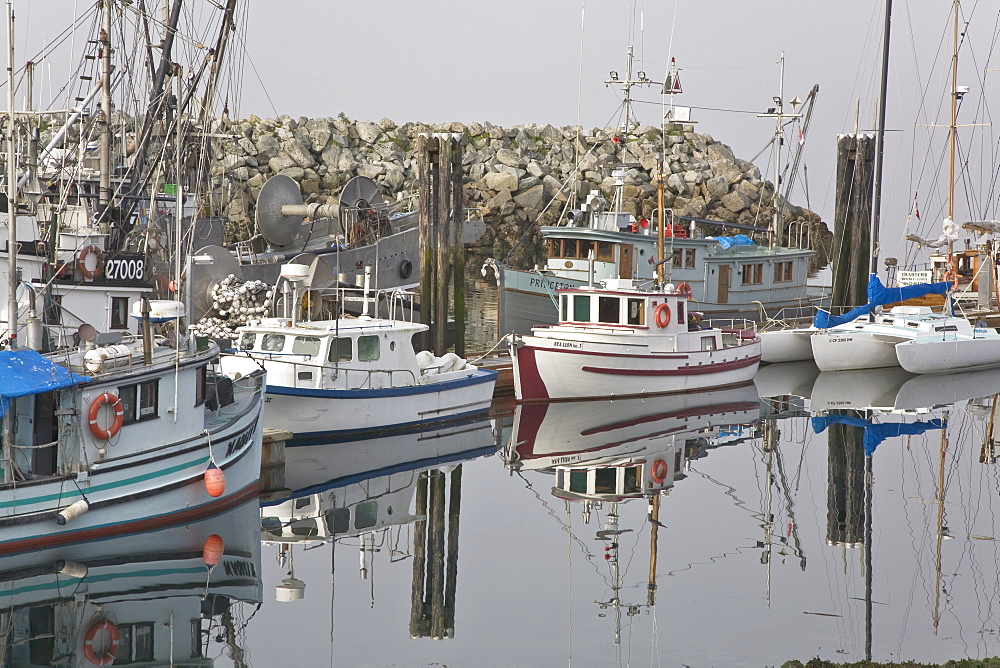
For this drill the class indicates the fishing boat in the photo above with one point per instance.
(730, 274)
(125, 438)
(624, 341)
(347, 377)
(178, 595)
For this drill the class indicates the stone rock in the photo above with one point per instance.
(677, 183)
(533, 198)
(293, 172)
(267, 147)
(500, 180)
(297, 150)
(318, 132)
(368, 132)
(720, 152)
(736, 201)
(509, 157)
(280, 162)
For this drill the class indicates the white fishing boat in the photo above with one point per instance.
(345, 378)
(177, 595)
(120, 439)
(729, 274)
(624, 341)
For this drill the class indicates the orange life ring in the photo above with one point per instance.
(106, 399)
(662, 315)
(659, 472)
(685, 289)
(950, 275)
(82, 261)
(107, 657)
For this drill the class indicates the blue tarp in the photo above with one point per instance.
(24, 372)
(875, 433)
(737, 240)
(879, 295)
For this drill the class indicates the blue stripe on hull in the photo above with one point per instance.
(346, 435)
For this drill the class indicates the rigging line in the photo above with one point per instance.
(733, 111)
(248, 59)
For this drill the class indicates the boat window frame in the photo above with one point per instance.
(609, 310)
(753, 274)
(315, 345)
(335, 346)
(243, 340)
(577, 301)
(605, 251)
(783, 271)
(270, 336)
(639, 318)
(365, 354)
(119, 312)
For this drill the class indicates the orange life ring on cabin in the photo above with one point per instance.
(107, 657)
(662, 315)
(659, 472)
(685, 289)
(82, 261)
(106, 399)
(950, 275)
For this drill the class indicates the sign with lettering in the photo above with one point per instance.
(914, 277)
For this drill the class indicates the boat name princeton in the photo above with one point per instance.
(548, 283)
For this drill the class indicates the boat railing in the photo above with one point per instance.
(317, 375)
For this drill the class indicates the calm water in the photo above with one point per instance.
(776, 536)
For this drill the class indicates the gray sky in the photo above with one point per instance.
(520, 62)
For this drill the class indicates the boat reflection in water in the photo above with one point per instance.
(606, 453)
(361, 493)
(158, 598)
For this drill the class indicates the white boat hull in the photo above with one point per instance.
(786, 345)
(324, 416)
(940, 356)
(137, 493)
(847, 350)
(551, 368)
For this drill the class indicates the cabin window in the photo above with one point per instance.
(708, 343)
(196, 639)
(585, 248)
(149, 394)
(578, 482)
(681, 311)
(248, 340)
(273, 343)
(126, 395)
(633, 481)
(605, 251)
(683, 258)
(338, 520)
(636, 311)
(581, 308)
(306, 527)
(677, 258)
(689, 258)
(753, 274)
(366, 515)
(609, 310)
(135, 643)
(340, 350)
(604, 481)
(564, 308)
(368, 348)
(305, 345)
(200, 384)
(119, 313)
(782, 272)
(569, 248)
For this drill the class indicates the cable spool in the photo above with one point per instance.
(71, 569)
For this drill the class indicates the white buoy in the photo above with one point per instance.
(72, 511)
(71, 569)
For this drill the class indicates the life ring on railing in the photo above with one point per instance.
(107, 657)
(106, 399)
(86, 252)
(685, 289)
(659, 472)
(950, 275)
(662, 315)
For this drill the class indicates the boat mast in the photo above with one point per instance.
(104, 198)
(11, 187)
(880, 142)
(779, 116)
(953, 128)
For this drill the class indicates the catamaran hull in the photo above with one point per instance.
(786, 345)
(922, 356)
(847, 351)
(325, 416)
(549, 369)
(137, 493)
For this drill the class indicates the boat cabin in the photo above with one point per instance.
(630, 479)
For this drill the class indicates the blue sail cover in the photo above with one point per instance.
(24, 372)
(875, 433)
(879, 295)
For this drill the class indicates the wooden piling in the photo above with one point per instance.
(451, 582)
(852, 219)
(442, 254)
(435, 554)
(272, 463)
(845, 507)
(418, 616)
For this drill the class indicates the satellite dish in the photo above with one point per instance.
(278, 229)
(86, 332)
(205, 276)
